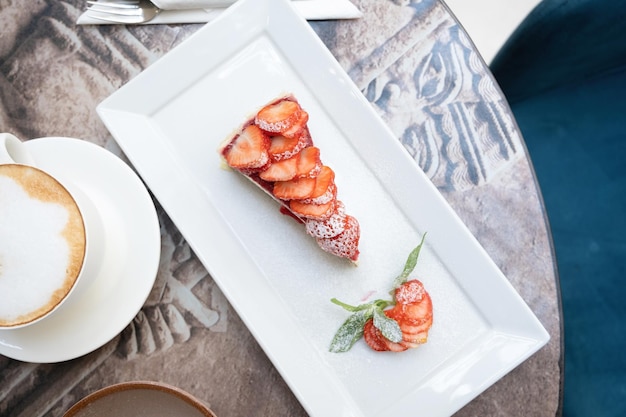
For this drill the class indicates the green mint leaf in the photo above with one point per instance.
(387, 326)
(350, 331)
(352, 309)
(409, 266)
(382, 304)
(363, 307)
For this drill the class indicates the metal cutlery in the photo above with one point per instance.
(122, 11)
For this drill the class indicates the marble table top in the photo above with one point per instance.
(417, 68)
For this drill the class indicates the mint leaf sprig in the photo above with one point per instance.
(352, 329)
(409, 266)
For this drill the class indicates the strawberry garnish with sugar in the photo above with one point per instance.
(390, 325)
(275, 150)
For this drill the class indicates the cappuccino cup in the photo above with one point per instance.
(50, 239)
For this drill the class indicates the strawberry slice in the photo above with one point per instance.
(297, 128)
(330, 194)
(309, 163)
(283, 147)
(410, 292)
(380, 342)
(412, 344)
(373, 337)
(295, 189)
(394, 347)
(284, 170)
(414, 331)
(312, 211)
(413, 340)
(323, 180)
(279, 116)
(248, 150)
(346, 244)
(416, 312)
(410, 326)
(330, 227)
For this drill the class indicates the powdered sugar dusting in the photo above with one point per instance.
(329, 195)
(278, 116)
(410, 292)
(329, 228)
(278, 143)
(346, 244)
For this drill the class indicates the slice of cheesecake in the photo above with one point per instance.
(275, 150)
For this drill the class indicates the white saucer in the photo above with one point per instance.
(131, 255)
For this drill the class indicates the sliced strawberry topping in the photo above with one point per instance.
(278, 116)
(297, 128)
(416, 331)
(373, 337)
(330, 194)
(323, 180)
(392, 346)
(416, 312)
(395, 313)
(346, 244)
(408, 325)
(312, 211)
(248, 150)
(284, 170)
(295, 189)
(414, 340)
(309, 163)
(412, 345)
(330, 227)
(283, 147)
(410, 292)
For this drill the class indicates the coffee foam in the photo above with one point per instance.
(42, 244)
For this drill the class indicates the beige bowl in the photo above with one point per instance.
(139, 399)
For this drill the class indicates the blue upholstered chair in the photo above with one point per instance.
(564, 73)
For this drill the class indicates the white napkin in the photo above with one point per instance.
(191, 4)
(202, 11)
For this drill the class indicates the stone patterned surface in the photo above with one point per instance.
(423, 76)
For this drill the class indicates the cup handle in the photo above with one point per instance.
(13, 151)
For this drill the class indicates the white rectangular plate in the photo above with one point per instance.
(171, 119)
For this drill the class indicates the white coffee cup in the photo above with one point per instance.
(51, 239)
